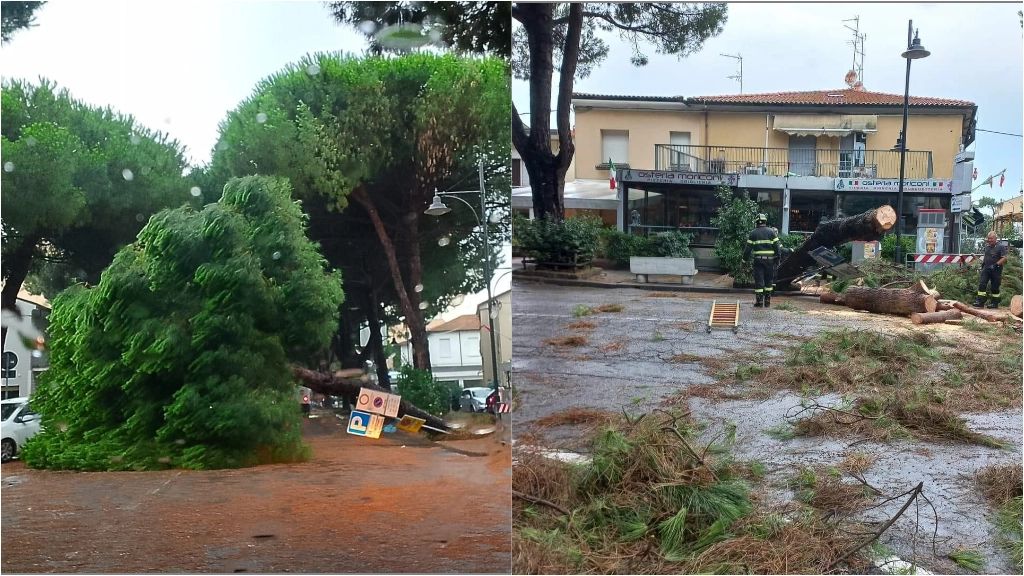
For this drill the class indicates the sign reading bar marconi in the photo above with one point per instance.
(893, 185)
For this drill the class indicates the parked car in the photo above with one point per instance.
(474, 399)
(18, 423)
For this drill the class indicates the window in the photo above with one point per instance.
(614, 145)
(473, 343)
(444, 347)
(517, 172)
(679, 138)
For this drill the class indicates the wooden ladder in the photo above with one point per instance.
(724, 315)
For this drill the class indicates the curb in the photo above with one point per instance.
(639, 286)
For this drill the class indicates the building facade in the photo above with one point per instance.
(501, 307)
(804, 157)
(454, 351)
(22, 359)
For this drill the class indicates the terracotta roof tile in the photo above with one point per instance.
(829, 97)
(466, 322)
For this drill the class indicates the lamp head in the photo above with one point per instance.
(437, 208)
(916, 50)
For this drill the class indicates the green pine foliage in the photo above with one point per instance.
(180, 356)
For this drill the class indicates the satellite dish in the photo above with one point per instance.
(851, 77)
(859, 86)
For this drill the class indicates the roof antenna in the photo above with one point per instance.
(855, 77)
(739, 75)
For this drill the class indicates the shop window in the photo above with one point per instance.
(807, 212)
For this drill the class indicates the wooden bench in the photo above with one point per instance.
(644, 266)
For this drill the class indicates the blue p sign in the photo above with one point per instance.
(358, 422)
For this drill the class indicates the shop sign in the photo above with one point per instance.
(670, 177)
(893, 185)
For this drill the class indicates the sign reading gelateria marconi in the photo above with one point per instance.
(893, 185)
(670, 177)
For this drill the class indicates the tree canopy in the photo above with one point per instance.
(566, 37)
(16, 16)
(388, 131)
(477, 27)
(79, 182)
(180, 356)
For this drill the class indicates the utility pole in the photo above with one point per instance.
(739, 75)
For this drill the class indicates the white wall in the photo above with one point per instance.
(24, 379)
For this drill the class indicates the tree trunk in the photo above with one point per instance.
(868, 226)
(546, 169)
(1017, 306)
(417, 331)
(830, 297)
(885, 301)
(17, 270)
(935, 317)
(941, 305)
(376, 340)
(342, 386)
(988, 315)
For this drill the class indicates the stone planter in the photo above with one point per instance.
(684, 268)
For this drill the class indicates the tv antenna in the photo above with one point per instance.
(855, 78)
(739, 75)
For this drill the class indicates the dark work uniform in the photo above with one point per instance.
(991, 273)
(764, 246)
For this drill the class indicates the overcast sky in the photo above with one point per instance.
(180, 66)
(976, 55)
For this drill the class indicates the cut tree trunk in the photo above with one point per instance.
(342, 386)
(1017, 306)
(885, 301)
(988, 315)
(944, 305)
(831, 298)
(868, 226)
(935, 317)
(922, 288)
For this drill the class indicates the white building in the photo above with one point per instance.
(454, 351)
(20, 368)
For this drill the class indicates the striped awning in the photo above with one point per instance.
(825, 124)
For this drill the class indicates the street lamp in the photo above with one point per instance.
(913, 52)
(438, 208)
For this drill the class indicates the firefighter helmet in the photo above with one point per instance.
(762, 219)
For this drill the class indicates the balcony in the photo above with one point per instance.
(782, 161)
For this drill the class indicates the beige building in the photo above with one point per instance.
(1009, 216)
(501, 307)
(804, 156)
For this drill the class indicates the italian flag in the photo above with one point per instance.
(611, 174)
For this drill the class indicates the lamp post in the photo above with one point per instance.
(913, 52)
(438, 208)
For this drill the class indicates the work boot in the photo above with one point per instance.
(993, 302)
(759, 302)
(767, 299)
(979, 302)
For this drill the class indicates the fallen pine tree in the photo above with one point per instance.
(349, 386)
(901, 302)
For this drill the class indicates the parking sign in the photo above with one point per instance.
(364, 424)
(378, 402)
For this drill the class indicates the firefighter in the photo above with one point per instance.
(764, 246)
(991, 272)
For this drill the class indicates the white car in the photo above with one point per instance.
(475, 399)
(18, 423)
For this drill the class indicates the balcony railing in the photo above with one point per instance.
(782, 161)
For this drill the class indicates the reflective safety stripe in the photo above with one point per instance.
(994, 295)
(767, 288)
(760, 241)
(758, 290)
(982, 293)
(763, 253)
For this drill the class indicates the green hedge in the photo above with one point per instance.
(557, 242)
(620, 246)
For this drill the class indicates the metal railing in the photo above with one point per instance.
(782, 161)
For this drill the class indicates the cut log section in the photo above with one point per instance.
(945, 305)
(922, 288)
(988, 315)
(1017, 306)
(340, 386)
(868, 226)
(885, 301)
(936, 317)
(830, 297)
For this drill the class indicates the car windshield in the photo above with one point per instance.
(8, 409)
(481, 393)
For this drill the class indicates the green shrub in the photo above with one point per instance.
(550, 241)
(672, 244)
(421, 389)
(791, 241)
(619, 246)
(735, 220)
(889, 246)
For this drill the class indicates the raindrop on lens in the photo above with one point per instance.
(180, 441)
(140, 217)
(435, 35)
(458, 299)
(444, 241)
(423, 305)
(164, 460)
(30, 141)
(276, 255)
(196, 191)
(136, 140)
(313, 69)
(37, 354)
(367, 26)
(146, 170)
(418, 288)
(127, 174)
(261, 117)
(9, 167)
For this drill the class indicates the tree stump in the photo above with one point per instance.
(885, 301)
(936, 317)
(1017, 306)
(868, 226)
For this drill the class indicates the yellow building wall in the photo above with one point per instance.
(646, 128)
(739, 129)
(939, 134)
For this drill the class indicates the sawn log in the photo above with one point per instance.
(868, 226)
(829, 297)
(988, 315)
(935, 317)
(902, 302)
(1017, 306)
(338, 386)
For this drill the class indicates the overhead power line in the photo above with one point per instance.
(1003, 133)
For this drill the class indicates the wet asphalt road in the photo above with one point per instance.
(634, 374)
